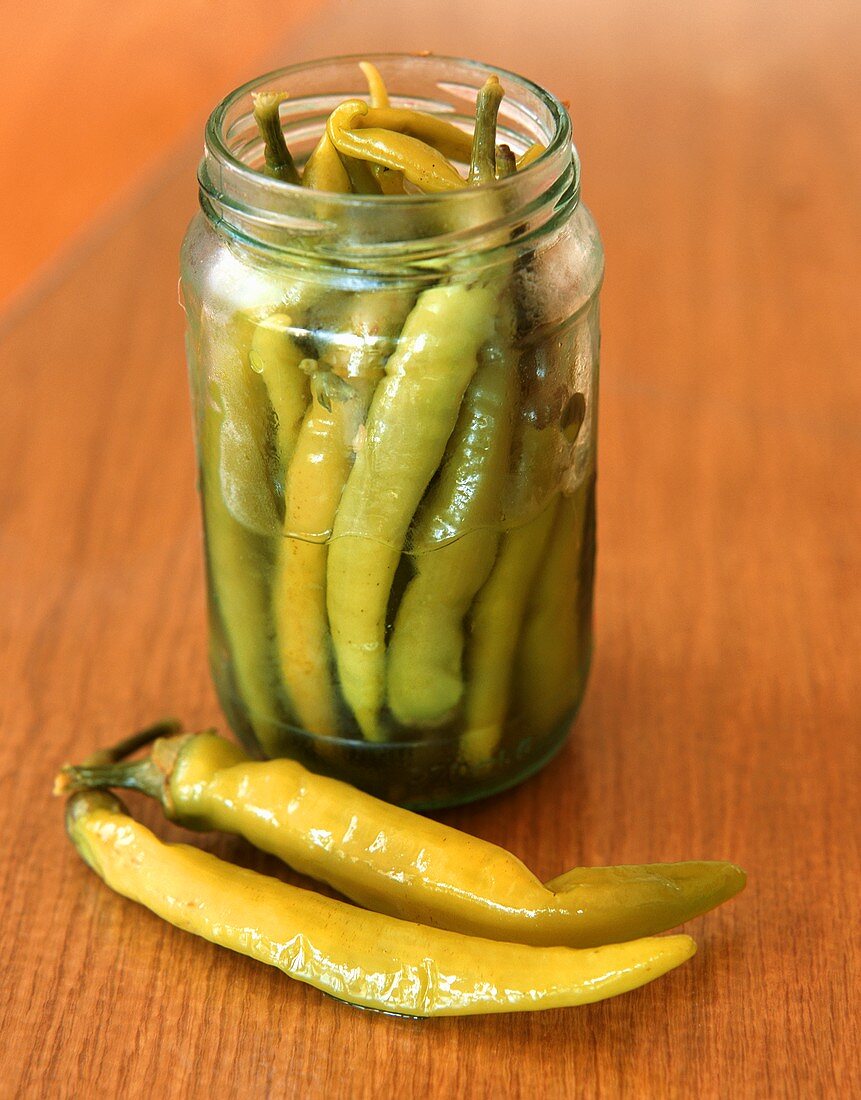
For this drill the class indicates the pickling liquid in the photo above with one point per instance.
(482, 663)
(538, 673)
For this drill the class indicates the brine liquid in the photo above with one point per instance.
(547, 651)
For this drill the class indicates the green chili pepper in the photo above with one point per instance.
(454, 539)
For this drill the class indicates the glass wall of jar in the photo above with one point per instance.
(395, 411)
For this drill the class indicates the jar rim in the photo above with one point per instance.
(251, 204)
(560, 139)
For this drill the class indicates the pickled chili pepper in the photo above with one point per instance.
(255, 371)
(419, 162)
(546, 686)
(390, 182)
(364, 958)
(532, 153)
(324, 169)
(240, 513)
(413, 413)
(399, 863)
(315, 477)
(377, 91)
(425, 656)
(312, 438)
(432, 130)
(322, 461)
(411, 417)
(495, 626)
(443, 136)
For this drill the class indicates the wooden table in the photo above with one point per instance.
(721, 157)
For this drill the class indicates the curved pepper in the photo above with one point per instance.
(420, 163)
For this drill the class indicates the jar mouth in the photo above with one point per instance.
(284, 216)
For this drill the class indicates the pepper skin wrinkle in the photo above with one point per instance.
(366, 959)
(405, 865)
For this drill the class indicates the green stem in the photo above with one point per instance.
(482, 164)
(279, 162)
(150, 775)
(139, 775)
(167, 727)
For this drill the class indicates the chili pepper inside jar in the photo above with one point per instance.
(392, 302)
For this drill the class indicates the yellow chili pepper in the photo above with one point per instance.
(420, 163)
(376, 85)
(240, 515)
(553, 652)
(389, 181)
(531, 154)
(318, 469)
(364, 958)
(496, 619)
(324, 169)
(399, 863)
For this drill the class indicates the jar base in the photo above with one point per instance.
(423, 775)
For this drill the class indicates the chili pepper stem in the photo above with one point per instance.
(139, 775)
(482, 164)
(150, 776)
(102, 759)
(279, 162)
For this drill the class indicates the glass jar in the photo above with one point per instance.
(395, 410)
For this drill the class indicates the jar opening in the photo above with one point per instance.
(355, 229)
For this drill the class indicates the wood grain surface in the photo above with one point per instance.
(723, 719)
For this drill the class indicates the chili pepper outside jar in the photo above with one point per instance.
(395, 402)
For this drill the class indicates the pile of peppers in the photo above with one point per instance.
(450, 925)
